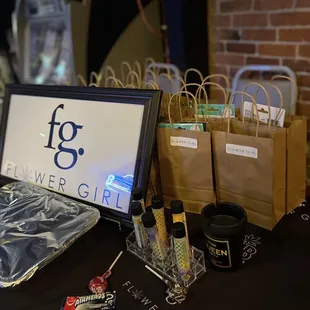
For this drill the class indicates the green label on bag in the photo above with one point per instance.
(215, 110)
(183, 126)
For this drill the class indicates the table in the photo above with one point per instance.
(275, 275)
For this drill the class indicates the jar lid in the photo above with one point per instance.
(157, 202)
(178, 230)
(177, 206)
(136, 194)
(148, 219)
(136, 208)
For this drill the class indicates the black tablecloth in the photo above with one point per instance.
(275, 273)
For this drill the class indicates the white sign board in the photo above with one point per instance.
(84, 149)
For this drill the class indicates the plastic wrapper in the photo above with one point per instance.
(104, 301)
(35, 227)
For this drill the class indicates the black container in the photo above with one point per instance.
(224, 228)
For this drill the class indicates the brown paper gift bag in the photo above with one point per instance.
(296, 152)
(185, 165)
(250, 169)
(296, 164)
(296, 144)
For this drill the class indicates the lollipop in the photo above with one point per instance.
(99, 285)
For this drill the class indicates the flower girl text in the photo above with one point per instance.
(83, 190)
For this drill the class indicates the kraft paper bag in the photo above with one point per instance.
(250, 169)
(177, 107)
(296, 159)
(296, 165)
(186, 167)
(296, 138)
(296, 149)
(185, 160)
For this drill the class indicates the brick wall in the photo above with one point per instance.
(275, 32)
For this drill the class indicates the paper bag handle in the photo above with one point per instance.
(218, 86)
(275, 77)
(267, 96)
(147, 62)
(129, 69)
(82, 80)
(178, 94)
(131, 75)
(136, 65)
(192, 70)
(105, 73)
(93, 79)
(148, 71)
(225, 95)
(130, 86)
(117, 83)
(185, 78)
(184, 88)
(152, 84)
(281, 99)
(223, 76)
(254, 102)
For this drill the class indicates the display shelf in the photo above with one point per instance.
(168, 268)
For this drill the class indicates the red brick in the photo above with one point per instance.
(290, 19)
(303, 108)
(219, 47)
(220, 69)
(304, 51)
(223, 21)
(268, 5)
(304, 94)
(277, 50)
(294, 35)
(303, 80)
(261, 61)
(259, 35)
(250, 20)
(227, 34)
(241, 48)
(297, 65)
(236, 6)
(302, 3)
(233, 70)
(229, 59)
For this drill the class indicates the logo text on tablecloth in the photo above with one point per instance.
(138, 294)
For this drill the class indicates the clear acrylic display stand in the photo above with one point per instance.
(168, 268)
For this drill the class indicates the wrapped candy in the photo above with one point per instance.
(104, 301)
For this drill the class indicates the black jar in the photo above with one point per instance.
(224, 229)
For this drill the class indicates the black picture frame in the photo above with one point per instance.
(149, 98)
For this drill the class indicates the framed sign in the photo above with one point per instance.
(91, 144)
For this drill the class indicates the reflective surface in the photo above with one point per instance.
(35, 227)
